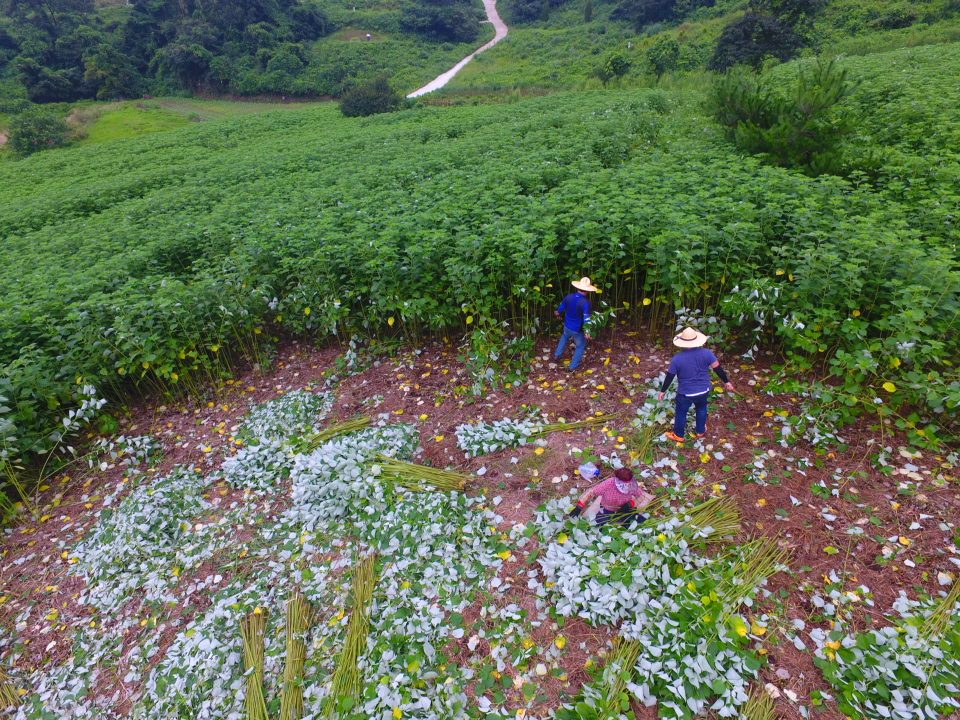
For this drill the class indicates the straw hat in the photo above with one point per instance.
(584, 284)
(689, 338)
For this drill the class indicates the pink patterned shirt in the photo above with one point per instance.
(612, 498)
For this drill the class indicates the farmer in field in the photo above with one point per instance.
(621, 499)
(575, 310)
(691, 366)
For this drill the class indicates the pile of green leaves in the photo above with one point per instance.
(909, 669)
(681, 607)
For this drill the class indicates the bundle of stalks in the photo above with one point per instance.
(943, 615)
(314, 441)
(720, 514)
(641, 441)
(299, 618)
(419, 477)
(758, 707)
(660, 500)
(618, 673)
(9, 698)
(347, 682)
(757, 560)
(597, 421)
(253, 627)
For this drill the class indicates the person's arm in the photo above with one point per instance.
(563, 306)
(586, 319)
(722, 374)
(667, 382)
(584, 501)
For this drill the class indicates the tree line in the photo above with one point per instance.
(66, 50)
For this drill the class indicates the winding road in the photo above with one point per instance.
(500, 32)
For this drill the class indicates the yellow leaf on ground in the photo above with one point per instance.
(889, 387)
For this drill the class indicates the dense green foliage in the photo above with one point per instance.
(802, 131)
(62, 50)
(37, 130)
(370, 98)
(139, 265)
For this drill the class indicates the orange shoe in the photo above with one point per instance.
(670, 435)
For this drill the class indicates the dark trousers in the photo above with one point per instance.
(683, 407)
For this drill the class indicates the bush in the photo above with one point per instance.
(800, 132)
(664, 55)
(614, 65)
(371, 98)
(37, 130)
(753, 38)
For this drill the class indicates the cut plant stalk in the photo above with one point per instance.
(618, 672)
(597, 421)
(720, 516)
(415, 477)
(9, 697)
(347, 683)
(314, 441)
(759, 706)
(641, 442)
(943, 615)
(757, 560)
(299, 618)
(660, 500)
(13, 479)
(253, 628)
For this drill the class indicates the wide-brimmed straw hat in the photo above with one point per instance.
(689, 338)
(584, 284)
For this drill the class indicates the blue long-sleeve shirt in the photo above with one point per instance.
(576, 309)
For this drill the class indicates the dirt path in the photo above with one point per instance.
(500, 29)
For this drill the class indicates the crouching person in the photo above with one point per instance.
(621, 499)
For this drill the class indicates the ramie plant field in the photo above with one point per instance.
(294, 526)
(151, 264)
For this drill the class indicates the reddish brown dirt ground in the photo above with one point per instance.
(903, 547)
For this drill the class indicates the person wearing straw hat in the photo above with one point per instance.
(691, 366)
(621, 499)
(575, 310)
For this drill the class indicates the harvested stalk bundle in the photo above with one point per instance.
(347, 684)
(314, 441)
(253, 628)
(619, 671)
(943, 615)
(758, 707)
(755, 562)
(597, 421)
(641, 442)
(415, 477)
(660, 500)
(720, 516)
(299, 619)
(9, 698)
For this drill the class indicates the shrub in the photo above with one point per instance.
(753, 38)
(800, 132)
(664, 55)
(370, 98)
(614, 65)
(37, 130)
